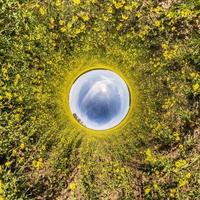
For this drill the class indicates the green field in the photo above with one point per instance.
(45, 154)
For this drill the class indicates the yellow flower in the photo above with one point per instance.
(119, 4)
(14, 152)
(156, 187)
(61, 22)
(69, 25)
(20, 99)
(72, 186)
(128, 7)
(148, 153)
(119, 26)
(165, 46)
(110, 10)
(1, 188)
(85, 16)
(74, 19)
(77, 1)
(42, 10)
(172, 192)
(180, 147)
(2, 198)
(8, 164)
(37, 5)
(17, 78)
(158, 10)
(157, 23)
(182, 183)
(37, 163)
(17, 117)
(186, 12)
(125, 17)
(195, 87)
(188, 175)
(52, 20)
(134, 4)
(176, 136)
(180, 163)
(173, 28)
(22, 146)
(63, 29)
(58, 3)
(149, 156)
(8, 95)
(138, 14)
(147, 190)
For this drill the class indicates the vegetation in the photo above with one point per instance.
(45, 44)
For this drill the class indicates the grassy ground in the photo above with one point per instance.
(45, 154)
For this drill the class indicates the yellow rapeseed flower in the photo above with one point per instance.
(85, 16)
(72, 186)
(195, 87)
(180, 163)
(42, 10)
(22, 146)
(8, 95)
(125, 17)
(58, 3)
(156, 187)
(188, 175)
(1, 188)
(52, 20)
(180, 146)
(63, 29)
(17, 78)
(147, 190)
(8, 164)
(77, 1)
(61, 22)
(157, 23)
(182, 183)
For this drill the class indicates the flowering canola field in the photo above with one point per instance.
(153, 45)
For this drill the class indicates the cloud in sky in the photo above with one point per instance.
(100, 99)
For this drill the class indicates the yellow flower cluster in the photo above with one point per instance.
(1, 191)
(37, 163)
(185, 180)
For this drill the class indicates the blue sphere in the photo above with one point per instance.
(99, 99)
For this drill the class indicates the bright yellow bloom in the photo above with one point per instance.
(17, 78)
(22, 146)
(182, 183)
(1, 188)
(8, 164)
(195, 87)
(157, 23)
(77, 1)
(72, 186)
(8, 95)
(147, 190)
(61, 22)
(188, 175)
(85, 16)
(58, 3)
(180, 163)
(42, 10)
(125, 17)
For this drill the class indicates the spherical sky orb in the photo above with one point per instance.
(99, 99)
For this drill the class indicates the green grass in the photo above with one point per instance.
(45, 154)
